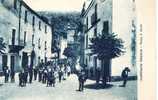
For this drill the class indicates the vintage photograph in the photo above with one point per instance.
(69, 50)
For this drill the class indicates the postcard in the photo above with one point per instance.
(77, 50)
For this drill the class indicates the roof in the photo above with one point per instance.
(32, 11)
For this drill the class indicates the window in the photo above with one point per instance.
(45, 45)
(39, 25)
(4, 60)
(93, 20)
(45, 28)
(87, 23)
(13, 36)
(96, 15)
(39, 42)
(2, 1)
(87, 41)
(33, 20)
(32, 39)
(95, 32)
(24, 38)
(25, 16)
(86, 61)
(105, 27)
(15, 4)
(39, 59)
(89, 58)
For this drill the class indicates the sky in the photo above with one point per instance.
(56, 5)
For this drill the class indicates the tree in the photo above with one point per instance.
(2, 46)
(71, 55)
(69, 52)
(106, 46)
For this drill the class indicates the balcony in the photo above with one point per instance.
(15, 48)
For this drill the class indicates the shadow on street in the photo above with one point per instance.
(1, 84)
(98, 86)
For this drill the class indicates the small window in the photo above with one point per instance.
(45, 28)
(45, 45)
(13, 36)
(87, 41)
(33, 20)
(106, 27)
(96, 14)
(93, 20)
(39, 43)
(25, 16)
(24, 38)
(87, 23)
(15, 4)
(95, 32)
(32, 39)
(39, 25)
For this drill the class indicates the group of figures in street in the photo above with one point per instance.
(83, 76)
(45, 73)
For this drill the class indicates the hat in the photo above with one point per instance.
(127, 69)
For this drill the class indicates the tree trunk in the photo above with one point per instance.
(106, 70)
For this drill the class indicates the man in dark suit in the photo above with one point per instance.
(124, 76)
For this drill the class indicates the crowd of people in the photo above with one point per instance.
(45, 73)
(49, 73)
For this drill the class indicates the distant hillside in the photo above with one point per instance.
(61, 20)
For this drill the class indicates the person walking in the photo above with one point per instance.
(53, 78)
(124, 76)
(12, 74)
(49, 77)
(26, 72)
(35, 73)
(98, 74)
(60, 75)
(20, 78)
(30, 75)
(68, 71)
(81, 79)
(40, 74)
(6, 74)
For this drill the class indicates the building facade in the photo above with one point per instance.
(112, 16)
(26, 34)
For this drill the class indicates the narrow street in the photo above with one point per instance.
(67, 90)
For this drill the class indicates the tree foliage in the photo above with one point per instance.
(60, 20)
(107, 46)
(69, 52)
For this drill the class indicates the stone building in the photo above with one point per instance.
(112, 16)
(26, 34)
